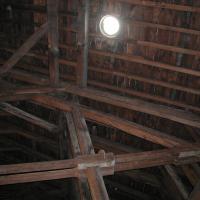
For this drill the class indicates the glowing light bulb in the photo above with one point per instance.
(109, 26)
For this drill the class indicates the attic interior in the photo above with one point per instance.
(100, 99)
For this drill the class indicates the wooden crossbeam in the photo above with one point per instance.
(125, 57)
(99, 143)
(51, 170)
(169, 48)
(110, 120)
(32, 40)
(28, 117)
(162, 5)
(176, 115)
(19, 76)
(131, 76)
(164, 27)
(144, 61)
(146, 80)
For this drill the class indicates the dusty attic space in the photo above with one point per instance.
(85, 115)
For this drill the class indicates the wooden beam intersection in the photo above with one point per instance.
(176, 115)
(49, 170)
(112, 121)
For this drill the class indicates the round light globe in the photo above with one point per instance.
(109, 26)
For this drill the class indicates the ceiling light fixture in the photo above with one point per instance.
(109, 26)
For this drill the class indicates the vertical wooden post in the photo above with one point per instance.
(53, 40)
(82, 183)
(96, 182)
(82, 145)
(82, 73)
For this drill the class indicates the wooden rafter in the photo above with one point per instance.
(32, 40)
(28, 117)
(176, 115)
(162, 5)
(110, 120)
(21, 76)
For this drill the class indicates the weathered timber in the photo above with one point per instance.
(93, 173)
(30, 172)
(110, 120)
(82, 182)
(163, 5)
(183, 117)
(109, 87)
(97, 185)
(24, 49)
(169, 48)
(28, 117)
(144, 61)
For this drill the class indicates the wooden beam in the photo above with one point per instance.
(97, 185)
(25, 93)
(125, 57)
(120, 90)
(146, 80)
(55, 164)
(153, 44)
(191, 174)
(164, 27)
(176, 115)
(94, 174)
(24, 49)
(144, 95)
(169, 48)
(195, 195)
(112, 121)
(142, 60)
(183, 117)
(86, 146)
(53, 40)
(82, 183)
(28, 117)
(128, 161)
(82, 69)
(51, 170)
(162, 5)
(117, 148)
(178, 182)
(132, 128)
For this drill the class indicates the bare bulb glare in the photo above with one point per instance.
(109, 26)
